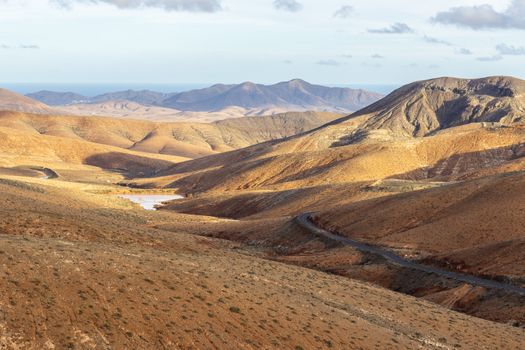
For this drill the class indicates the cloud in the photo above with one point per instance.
(397, 28)
(167, 5)
(494, 58)
(31, 47)
(344, 12)
(332, 63)
(432, 40)
(509, 50)
(484, 16)
(288, 5)
(287, 62)
(463, 51)
(21, 46)
(377, 56)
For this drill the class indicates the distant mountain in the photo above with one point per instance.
(53, 98)
(294, 95)
(424, 107)
(144, 97)
(10, 101)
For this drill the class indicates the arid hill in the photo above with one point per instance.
(355, 148)
(86, 269)
(422, 108)
(447, 197)
(131, 110)
(189, 140)
(10, 101)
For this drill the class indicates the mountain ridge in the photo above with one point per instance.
(296, 95)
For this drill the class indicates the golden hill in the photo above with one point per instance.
(189, 140)
(88, 270)
(377, 142)
(306, 161)
(10, 101)
(422, 108)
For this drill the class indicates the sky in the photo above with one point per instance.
(331, 42)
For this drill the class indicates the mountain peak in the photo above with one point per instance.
(423, 107)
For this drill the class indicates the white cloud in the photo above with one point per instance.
(168, 5)
(464, 51)
(509, 50)
(494, 58)
(344, 12)
(397, 28)
(288, 5)
(485, 16)
(332, 63)
(432, 40)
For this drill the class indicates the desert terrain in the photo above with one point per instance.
(432, 174)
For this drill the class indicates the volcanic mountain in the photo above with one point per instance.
(424, 107)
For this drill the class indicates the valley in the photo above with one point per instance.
(398, 226)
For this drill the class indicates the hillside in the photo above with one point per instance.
(100, 275)
(131, 110)
(84, 137)
(355, 148)
(448, 198)
(10, 101)
(422, 108)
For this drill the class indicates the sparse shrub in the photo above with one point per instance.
(235, 309)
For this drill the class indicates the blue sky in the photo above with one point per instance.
(266, 41)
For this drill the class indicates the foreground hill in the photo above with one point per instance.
(87, 270)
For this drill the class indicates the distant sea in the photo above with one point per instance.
(91, 90)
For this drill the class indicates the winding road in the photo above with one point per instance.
(305, 221)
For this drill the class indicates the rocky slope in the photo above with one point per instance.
(424, 107)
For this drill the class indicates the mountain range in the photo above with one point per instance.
(294, 95)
